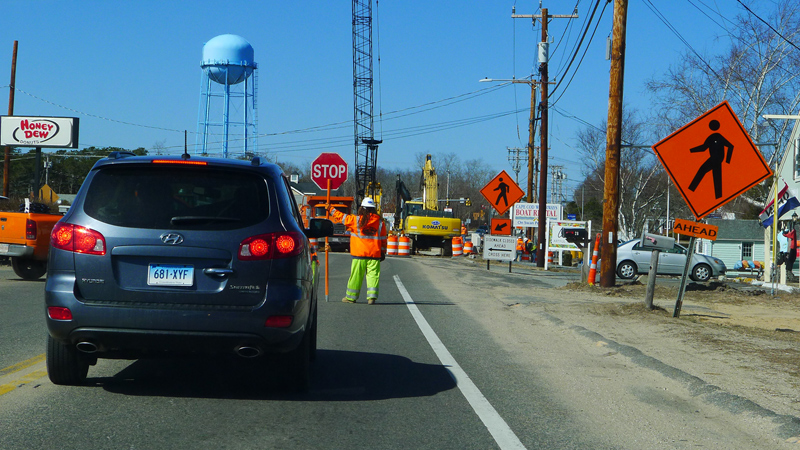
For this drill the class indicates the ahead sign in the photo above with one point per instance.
(329, 166)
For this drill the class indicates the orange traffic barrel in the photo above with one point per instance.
(403, 246)
(458, 246)
(467, 248)
(550, 257)
(313, 244)
(391, 245)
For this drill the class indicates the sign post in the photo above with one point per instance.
(38, 132)
(499, 248)
(328, 171)
(711, 160)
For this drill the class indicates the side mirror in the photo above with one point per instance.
(318, 228)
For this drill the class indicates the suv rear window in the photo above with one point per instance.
(177, 197)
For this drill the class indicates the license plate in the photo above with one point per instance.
(170, 275)
(3, 248)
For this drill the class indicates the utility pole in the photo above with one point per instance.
(531, 149)
(7, 156)
(543, 108)
(608, 246)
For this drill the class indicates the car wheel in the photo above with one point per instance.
(701, 272)
(298, 365)
(313, 331)
(28, 269)
(627, 270)
(65, 365)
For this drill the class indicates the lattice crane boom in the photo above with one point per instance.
(365, 143)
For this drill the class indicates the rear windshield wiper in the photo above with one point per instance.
(184, 220)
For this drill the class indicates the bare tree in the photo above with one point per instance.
(758, 73)
(642, 186)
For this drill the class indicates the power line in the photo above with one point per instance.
(767, 24)
(577, 47)
(582, 56)
(666, 22)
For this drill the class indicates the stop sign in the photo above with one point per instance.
(329, 166)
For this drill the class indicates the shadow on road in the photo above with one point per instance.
(336, 376)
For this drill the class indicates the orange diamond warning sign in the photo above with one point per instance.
(712, 160)
(502, 192)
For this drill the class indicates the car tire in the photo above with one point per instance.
(701, 273)
(298, 365)
(65, 365)
(313, 331)
(28, 269)
(627, 270)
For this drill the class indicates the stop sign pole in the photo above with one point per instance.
(328, 171)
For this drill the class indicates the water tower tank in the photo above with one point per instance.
(228, 59)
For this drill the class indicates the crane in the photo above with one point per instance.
(365, 143)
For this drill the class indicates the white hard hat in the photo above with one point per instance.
(368, 203)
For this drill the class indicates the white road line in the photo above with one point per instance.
(498, 427)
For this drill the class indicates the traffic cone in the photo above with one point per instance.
(595, 254)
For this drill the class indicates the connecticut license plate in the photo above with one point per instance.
(170, 275)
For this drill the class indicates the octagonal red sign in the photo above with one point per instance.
(329, 166)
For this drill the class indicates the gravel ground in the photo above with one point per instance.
(733, 353)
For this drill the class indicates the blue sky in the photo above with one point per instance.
(131, 71)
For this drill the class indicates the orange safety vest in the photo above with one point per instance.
(366, 240)
(520, 245)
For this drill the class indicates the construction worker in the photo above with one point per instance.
(520, 247)
(368, 236)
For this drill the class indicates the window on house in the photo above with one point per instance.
(747, 250)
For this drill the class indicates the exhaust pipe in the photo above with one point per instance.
(86, 347)
(247, 352)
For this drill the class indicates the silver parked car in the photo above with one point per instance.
(633, 259)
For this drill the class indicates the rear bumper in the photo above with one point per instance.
(132, 331)
(16, 250)
(134, 344)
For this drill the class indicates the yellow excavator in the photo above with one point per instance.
(421, 220)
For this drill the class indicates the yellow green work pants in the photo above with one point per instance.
(360, 267)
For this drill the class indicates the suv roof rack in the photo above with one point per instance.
(119, 155)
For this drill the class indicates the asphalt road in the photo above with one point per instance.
(377, 383)
(415, 371)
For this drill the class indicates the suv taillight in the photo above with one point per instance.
(78, 239)
(271, 246)
(30, 229)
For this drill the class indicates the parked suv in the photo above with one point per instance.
(183, 255)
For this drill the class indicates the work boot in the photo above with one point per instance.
(371, 301)
(348, 300)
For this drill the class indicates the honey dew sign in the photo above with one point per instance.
(41, 132)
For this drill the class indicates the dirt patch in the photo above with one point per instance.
(729, 304)
(729, 318)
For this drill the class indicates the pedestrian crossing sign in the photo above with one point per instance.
(712, 160)
(502, 192)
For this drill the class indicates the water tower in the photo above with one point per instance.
(227, 119)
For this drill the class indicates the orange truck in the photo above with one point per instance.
(25, 238)
(314, 207)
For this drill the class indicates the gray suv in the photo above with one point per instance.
(182, 256)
